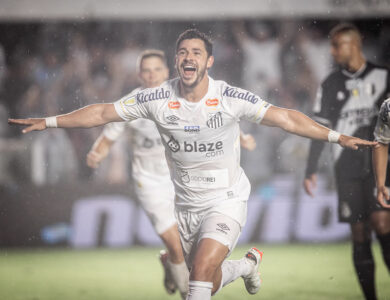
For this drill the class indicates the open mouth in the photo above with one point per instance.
(189, 70)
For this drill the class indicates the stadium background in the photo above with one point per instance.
(57, 56)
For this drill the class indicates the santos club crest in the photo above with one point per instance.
(215, 120)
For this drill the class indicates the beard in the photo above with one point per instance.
(200, 73)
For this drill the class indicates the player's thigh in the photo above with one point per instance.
(209, 256)
(220, 228)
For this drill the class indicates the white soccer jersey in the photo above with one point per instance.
(148, 151)
(202, 139)
(382, 129)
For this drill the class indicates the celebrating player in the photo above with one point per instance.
(380, 158)
(198, 120)
(348, 100)
(150, 172)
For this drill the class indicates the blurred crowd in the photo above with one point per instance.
(59, 67)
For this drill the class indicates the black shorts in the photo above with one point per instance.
(357, 199)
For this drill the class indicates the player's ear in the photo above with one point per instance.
(210, 61)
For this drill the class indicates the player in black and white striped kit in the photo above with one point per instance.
(348, 101)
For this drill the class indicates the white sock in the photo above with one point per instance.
(232, 269)
(180, 276)
(199, 290)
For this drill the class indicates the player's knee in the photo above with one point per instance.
(203, 270)
(362, 251)
(381, 227)
(380, 221)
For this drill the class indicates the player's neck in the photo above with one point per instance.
(356, 63)
(197, 92)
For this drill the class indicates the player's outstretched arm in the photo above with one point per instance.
(379, 158)
(298, 123)
(86, 117)
(247, 141)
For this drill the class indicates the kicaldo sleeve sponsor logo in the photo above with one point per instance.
(240, 94)
(157, 94)
(174, 104)
(212, 102)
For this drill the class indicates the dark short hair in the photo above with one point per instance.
(344, 28)
(190, 34)
(151, 53)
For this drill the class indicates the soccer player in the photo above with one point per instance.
(380, 159)
(348, 100)
(150, 172)
(198, 120)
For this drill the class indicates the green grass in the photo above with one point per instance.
(289, 272)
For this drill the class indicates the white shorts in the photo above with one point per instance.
(212, 223)
(157, 199)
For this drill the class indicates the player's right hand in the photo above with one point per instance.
(355, 143)
(383, 196)
(33, 124)
(310, 184)
(94, 159)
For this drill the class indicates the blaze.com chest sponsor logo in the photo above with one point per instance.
(240, 94)
(209, 149)
(157, 94)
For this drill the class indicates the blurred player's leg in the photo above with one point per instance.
(380, 221)
(363, 259)
(247, 268)
(176, 272)
(169, 285)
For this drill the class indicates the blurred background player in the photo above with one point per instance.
(380, 160)
(150, 172)
(348, 100)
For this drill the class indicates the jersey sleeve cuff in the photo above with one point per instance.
(264, 106)
(121, 111)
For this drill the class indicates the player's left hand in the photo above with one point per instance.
(33, 124)
(383, 196)
(354, 143)
(247, 142)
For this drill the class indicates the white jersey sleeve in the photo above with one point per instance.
(244, 104)
(130, 108)
(382, 128)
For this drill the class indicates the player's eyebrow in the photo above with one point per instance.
(192, 49)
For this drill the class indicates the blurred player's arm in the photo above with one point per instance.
(298, 123)
(86, 117)
(379, 158)
(247, 141)
(103, 143)
(310, 181)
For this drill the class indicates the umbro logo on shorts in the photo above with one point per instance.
(215, 121)
(222, 227)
